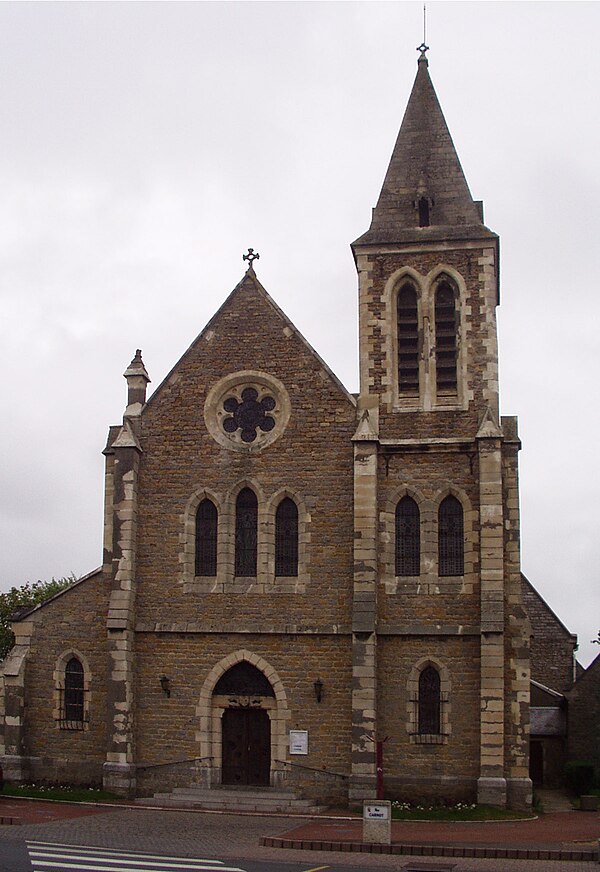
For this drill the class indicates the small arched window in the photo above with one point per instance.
(246, 524)
(451, 537)
(423, 205)
(408, 539)
(446, 343)
(408, 340)
(206, 538)
(73, 702)
(430, 697)
(286, 538)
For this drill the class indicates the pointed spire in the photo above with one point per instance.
(424, 186)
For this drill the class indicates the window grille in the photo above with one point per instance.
(451, 538)
(286, 539)
(408, 540)
(429, 714)
(72, 697)
(246, 522)
(446, 325)
(408, 341)
(206, 539)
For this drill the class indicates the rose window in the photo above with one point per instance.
(247, 410)
(249, 415)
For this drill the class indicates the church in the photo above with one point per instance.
(305, 589)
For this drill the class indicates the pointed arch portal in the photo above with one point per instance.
(243, 716)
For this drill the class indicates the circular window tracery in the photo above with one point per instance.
(247, 410)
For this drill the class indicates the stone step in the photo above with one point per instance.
(223, 799)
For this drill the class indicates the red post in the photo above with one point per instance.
(379, 767)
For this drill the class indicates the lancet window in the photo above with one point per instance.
(206, 538)
(451, 537)
(408, 340)
(446, 339)
(408, 539)
(286, 538)
(246, 540)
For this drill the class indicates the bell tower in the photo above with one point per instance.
(437, 571)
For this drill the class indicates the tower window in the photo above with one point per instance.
(206, 539)
(408, 544)
(246, 522)
(451, 538)
(408, 341)
(286, 539)
(423, 205)
(446, 324)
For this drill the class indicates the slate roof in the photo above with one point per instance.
(424, 163)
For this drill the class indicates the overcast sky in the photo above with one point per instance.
(146, 146)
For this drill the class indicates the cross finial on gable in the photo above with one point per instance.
(251, 257)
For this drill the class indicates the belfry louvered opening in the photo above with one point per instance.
(446, 344)
(408, 340)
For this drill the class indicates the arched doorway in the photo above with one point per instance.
(245, 725)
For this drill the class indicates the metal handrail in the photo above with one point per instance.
(172, 762)
(313, 769)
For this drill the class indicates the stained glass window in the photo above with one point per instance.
(451, 538)
(429, 702)
(206, 539)
(286, 538)
(408, 540)
(73, 695)
(246, 521)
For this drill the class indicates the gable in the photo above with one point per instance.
(249, 333)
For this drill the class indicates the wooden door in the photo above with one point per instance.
(246, 746)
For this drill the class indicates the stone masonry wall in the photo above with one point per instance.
(552, 646)
(73, 622)
(584, 717)
(478, 370)
(168, 728)
(311, 461)
(448, 768)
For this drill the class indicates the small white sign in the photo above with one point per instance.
(376, 812)
(298, 741)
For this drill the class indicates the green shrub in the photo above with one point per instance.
(579, 776)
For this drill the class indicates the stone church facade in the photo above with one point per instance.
(293, 573)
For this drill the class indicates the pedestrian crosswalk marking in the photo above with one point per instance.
(49, 856)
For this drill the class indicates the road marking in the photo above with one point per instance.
(317, 868)
(47, 856)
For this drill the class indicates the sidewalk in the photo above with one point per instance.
(566, 836)
(556, 836)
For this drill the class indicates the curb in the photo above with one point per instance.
(488, 853)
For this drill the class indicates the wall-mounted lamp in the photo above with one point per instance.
(165, 685)
(318, 686)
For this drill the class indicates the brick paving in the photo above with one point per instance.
(227, 836)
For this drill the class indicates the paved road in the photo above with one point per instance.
(232, 840)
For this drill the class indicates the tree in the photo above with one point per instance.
(18, 599)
